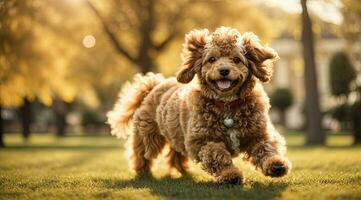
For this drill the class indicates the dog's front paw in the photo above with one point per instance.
(276, 166)
(230, 176)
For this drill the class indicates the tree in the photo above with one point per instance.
(342, 74)
(43, 60)
(356, 122)
(60, 109)
(315, 135)
(351, 31)
(282, 99)
(29, 59)
(31, 40)
(143, 23)
(26, 118)
(1, 129)
(150, 26)
(18, 56)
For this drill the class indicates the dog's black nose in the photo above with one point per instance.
(224, 72)
(278, 169)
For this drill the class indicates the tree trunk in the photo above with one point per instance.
(1, 129)
(283, 118)
(315, 134)
(145, 51)
(356, 123)
(60, 111)
(146, 65)
(25, 115)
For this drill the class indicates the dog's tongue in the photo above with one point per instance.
(224, 84)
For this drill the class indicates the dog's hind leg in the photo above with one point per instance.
(147, 143)
(177, 161)
(137, 160)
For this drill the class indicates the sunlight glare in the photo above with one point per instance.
(329, 11)
(89, 41)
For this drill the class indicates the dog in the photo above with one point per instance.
(212, 111)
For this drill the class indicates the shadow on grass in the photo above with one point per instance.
(312, 147)
(32, 147)
(187, 188)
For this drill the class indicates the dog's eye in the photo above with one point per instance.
(211, 59)
(236, 60)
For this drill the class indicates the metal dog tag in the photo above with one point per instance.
(228, 122)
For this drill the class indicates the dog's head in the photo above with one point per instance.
(224, 61)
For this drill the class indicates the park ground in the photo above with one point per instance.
(95, 167)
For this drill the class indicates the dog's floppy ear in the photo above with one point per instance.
(260, 58)
(193, 49)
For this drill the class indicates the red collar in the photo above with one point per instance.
(232, 105)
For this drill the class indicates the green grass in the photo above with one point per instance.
(93, 167)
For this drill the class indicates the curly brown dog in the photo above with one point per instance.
(221, 113)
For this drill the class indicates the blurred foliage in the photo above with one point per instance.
(341, 112)
(349, 116)
(42, 56)
(356, 121)
(149, 33)
(351, 26)
(347, 109)
(281, 99)
(342, 74)
(92, 118)
(19, 56)
(351, 31)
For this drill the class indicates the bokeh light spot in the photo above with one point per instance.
(89, 41)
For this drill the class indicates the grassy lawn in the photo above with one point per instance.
(93, 167)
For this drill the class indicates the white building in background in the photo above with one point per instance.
(288, 73)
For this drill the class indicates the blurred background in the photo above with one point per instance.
(62, 63)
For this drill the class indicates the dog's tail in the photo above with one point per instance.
(130, 98)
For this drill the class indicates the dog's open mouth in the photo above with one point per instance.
(225, 84)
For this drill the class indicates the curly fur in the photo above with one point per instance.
(130, 98)
(182, 113)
